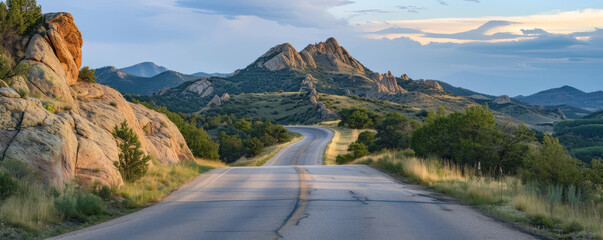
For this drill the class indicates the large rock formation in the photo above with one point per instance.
(504, 99)
(326, 56)
(202, 88)
(386, 83)
(434, 85)
(76, 141)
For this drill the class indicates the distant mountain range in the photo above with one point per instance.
(145, 78)
(144, 69)
(567, 95)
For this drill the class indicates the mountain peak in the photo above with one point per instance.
(144, 69)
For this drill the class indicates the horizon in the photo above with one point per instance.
(485, 46)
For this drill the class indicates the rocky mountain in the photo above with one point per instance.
(144, 69)
(63, 127)
(567, 95)
(328, 68)
(129, 83)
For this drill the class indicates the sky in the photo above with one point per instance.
(498, 47)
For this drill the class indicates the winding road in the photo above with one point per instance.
(295, 197)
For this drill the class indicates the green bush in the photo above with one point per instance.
(73, 202)
(254, 146)
(132, 164)
(49, 107)
(344, 158)
(87, 75)
(358, 118)
(8, 186)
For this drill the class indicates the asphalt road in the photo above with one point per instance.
(301, 202)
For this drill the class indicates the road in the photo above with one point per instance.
(304, 201)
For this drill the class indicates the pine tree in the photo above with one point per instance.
(132, 164)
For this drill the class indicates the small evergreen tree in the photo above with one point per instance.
(132, 164)
(87, 75)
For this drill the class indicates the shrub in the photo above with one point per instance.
(23, 92)
(49, 107)
(73, 202)
(113, 104)
(87, 75)
(254, 146)
(344, 158)
(132, 164)
(8, 186)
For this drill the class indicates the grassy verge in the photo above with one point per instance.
(34, 210)
(507, 198)
(266, 154)
(342, 137)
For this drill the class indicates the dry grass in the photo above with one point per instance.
(342, 137)
(266, 154)
(32, 207)
(162, 179)
(507, 197)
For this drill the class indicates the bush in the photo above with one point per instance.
(23, 92)
(132, 163)
(358, 118)
(20, 15)
(344, 158)
(73, 202)
(49, 107)
(358, 150)
(254, 146)
(87, 75)
(8, 186)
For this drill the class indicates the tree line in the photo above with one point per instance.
(471, 139)
(233, 137)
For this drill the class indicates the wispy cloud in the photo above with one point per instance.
(441, 2)
(412, 9)
(309, 13)
(461, 30)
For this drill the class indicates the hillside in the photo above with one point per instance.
(129, 83)
(567, 95)
(144, 69)
(328, 68)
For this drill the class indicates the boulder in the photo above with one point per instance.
(504, 99)
(434, 85)
(225, 97)
(40, 50)
(202, 87)
(9, 92)
(386, 83)
(308, 83)
(215, 102)
(45, 83)
(405, 77)
(67, 41)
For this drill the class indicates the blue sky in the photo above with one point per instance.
(497, 47)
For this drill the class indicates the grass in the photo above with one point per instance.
(37, 211)
(267, 153)
(507, 198)
(337, 103)
(342, 137)
(162, 179)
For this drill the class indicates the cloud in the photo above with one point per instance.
(475, 1)
(442, 3)
(479, 33)
(308, 14)
(412, 9)
(397, 30)
(367, 11)
(535, 31)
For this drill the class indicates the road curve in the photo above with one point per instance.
(307, 151)
(301, 202)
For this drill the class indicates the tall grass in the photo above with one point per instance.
(530, 203)
(32, 207)
(342, 138)
(162, 179)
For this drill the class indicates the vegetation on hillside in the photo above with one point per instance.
(17, 18)
(583, 138)
(234, 137)
(461, 153)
